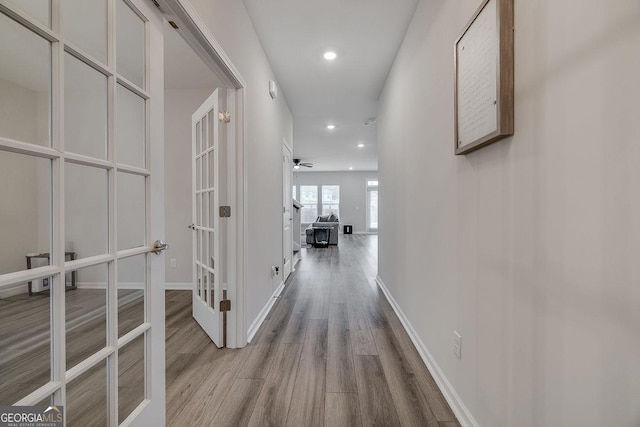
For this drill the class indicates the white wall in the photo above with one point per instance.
(353, 193)
(527, 247)
(268, 122)
(23, 201)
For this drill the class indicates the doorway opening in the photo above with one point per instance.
(204, 173)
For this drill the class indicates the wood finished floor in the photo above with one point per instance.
(331, 353)
(25, 344)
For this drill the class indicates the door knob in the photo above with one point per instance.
(192, 226)
(159, 246)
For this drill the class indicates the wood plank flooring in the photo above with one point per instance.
(331, 353)
(25, 343)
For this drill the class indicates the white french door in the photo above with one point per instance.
(81, 187)
(287, 217)
(212, 235)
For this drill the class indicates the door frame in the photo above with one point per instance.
(286, 149)
(197, 35)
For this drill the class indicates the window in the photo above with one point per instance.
(331, 200)
(328, 204)
(372, 205)
(309, 198)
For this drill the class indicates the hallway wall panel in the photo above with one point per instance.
(267, 123)
(526, 247)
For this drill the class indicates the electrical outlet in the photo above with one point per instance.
(173, 263)
(457, 345)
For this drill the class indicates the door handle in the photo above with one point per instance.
(192, 226)
(159, 246)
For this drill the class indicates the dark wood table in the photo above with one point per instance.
(47, 256)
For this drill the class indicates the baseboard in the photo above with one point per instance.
(263, 313)
(453, 399)
(14, 290)
(178, 286)
(101, 285)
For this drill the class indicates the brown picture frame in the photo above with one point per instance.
(504, 97)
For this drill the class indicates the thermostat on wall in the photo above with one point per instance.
(273, 89)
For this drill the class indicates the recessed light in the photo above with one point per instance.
(360, 145)
(331, 127)
(330, 56)
(350, 168)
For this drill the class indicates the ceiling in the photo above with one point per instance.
(366, 35)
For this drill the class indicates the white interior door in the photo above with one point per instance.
(82, 168)
(211, 233)
(287, 215)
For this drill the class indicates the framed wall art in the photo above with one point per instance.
(483, 58)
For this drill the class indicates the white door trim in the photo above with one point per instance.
(287, 207)
(197, 35)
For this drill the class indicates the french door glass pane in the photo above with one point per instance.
(199, 209)
(200, 281)
(212, 209)
(131, 377)
(86, 318)
(25, 84)
(212, 169)
(130, 42)
(86, 210)
(198, 173)
(85, 109)
(198, 138)
(25, 215)
(130, 127)
(132, 274)
(87, 398)
(25, 345)
(131, 210)
(85, 26)
(211, 137)
(40, 10)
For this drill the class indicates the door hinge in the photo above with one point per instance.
(225, 211)
(156, 3)
(224, 116)
(225, 305)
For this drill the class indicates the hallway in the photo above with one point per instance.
(331, 352)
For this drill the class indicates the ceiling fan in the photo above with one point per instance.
(297, 163)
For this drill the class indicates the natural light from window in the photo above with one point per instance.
(309, 200)
(331, 200)
(372, 205)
